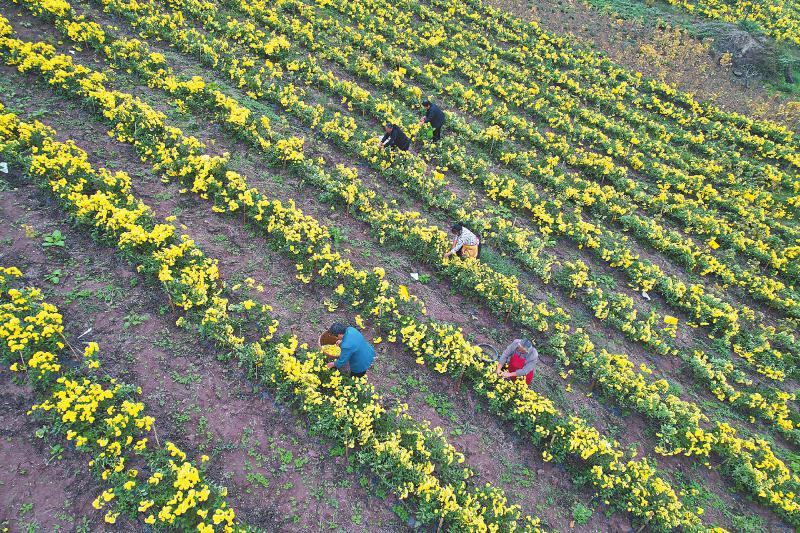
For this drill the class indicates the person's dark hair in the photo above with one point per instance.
(456, 228)
(526, 344)
(426, 102)
(389, 125)
(337, 328)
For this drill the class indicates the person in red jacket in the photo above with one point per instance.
(521, 358)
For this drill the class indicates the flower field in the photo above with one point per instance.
(196, 190)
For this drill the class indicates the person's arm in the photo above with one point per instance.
(347, 351)
(531, 360)
(456, 245)
(450, 252)
(385, 139)
(506, 355)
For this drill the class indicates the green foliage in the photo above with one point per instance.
(53, 240)
(133, 319)
(54, 277)
(500, 263)
(581, 514)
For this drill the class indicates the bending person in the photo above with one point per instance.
(433, 116)
(521, 358)
(355, 350)
(465, 244)
(394, 136)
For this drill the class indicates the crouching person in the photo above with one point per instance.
(465, 243)
(355, 350)
(521, 358)
(395, 138)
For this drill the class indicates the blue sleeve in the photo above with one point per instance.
(347, 352)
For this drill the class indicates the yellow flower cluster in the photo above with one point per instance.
(99, 417)
(775, 19)
(405, 455)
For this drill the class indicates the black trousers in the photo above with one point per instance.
(437, 133)
(358, 374)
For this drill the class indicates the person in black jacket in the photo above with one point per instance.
(433, 116)
(394, 136)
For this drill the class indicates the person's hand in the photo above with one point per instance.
(498, 369)
(331, 364)
(339, 342)
(507, 375)
(422, 120)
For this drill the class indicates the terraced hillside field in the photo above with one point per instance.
(195, 191)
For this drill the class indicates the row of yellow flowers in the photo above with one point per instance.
(496, 289)
(103, 418)
(775, 19)
(630, 484)
(400, 451)
(706, 308)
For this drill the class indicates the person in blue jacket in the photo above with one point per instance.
(355, 350)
